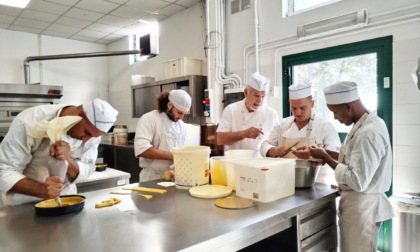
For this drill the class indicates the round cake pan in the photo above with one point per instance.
(71, 204)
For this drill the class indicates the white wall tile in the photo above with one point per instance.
(408, 50)
(403, 71)
(406, 179)
(407, 135)
(407, 114)
(407, 156)
(406, 93)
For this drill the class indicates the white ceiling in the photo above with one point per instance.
(96, 21)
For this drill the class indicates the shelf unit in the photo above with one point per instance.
(144, 95)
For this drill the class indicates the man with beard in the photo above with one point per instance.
(159, 131)
(245, 124)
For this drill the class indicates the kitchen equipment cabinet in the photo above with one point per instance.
(312, 228)
(168, 87)
(317, 228)
(144, 95)
(145, 99)
(121, 158)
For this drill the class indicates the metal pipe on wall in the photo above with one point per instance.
(257, 41)
(216, 21)
(71, 56)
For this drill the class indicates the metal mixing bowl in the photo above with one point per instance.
(306, 172)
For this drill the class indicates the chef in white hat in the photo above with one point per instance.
(24, 174)
(159, 131)
(304, 128)
(245, 124)
(363, 169)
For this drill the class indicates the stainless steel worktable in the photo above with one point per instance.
(104, 179)
(169, 222)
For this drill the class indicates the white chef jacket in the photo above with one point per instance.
(157, 130)
(323, 132)
(24, 156)
(367, 166)
(235, 117)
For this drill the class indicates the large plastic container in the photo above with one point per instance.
(265, 179)
(191, 166)
(182, 66)
(232, 155)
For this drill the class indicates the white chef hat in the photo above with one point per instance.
(100, 113)
(299, 91)
(180, 99)
(341, 92)
(259, 82)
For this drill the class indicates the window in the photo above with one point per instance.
(360, 69)
(291, 7)
(149, 34)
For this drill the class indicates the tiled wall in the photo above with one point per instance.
(406, 115)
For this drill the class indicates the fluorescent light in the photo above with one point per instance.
(15, 3)
(340, 23)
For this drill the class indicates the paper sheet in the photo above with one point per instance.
(126, 204)
(166, 184)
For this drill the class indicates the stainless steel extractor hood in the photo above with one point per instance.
(14, 98)
(28, 95)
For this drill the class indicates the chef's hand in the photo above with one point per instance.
(52, 187)
(253, 132)
(60, 150)
(319, 153)
(302, 152)
(277, 151)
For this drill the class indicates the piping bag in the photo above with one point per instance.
(53, 130)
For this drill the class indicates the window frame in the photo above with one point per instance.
(288, 6)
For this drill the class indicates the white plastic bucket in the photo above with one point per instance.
(191, 166)
(236, 155)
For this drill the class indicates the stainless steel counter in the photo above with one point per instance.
(104, 179)
(170, 222)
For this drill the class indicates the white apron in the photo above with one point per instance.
(37, 170)
(170, 139)
(297, 141)
(357, 211)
